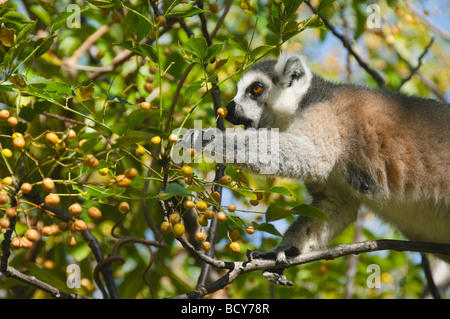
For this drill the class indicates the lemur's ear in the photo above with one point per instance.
(290, 68)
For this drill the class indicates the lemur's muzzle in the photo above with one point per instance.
(234, 115)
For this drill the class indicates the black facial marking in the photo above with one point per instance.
(234, 118)
(360, 180)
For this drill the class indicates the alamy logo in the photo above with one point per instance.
(73, 276)
(234, 146)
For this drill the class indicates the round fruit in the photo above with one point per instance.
(25, 243)
(63, 226)
(140, 150)
(71, 134)
(51, 138)
(79, 225)
(91, 161)
(131, 173)
(201, 205)
(4, 115)
(200, 236)
(188, 204)
(161, 20)
(32, 234)
(122, 181)
(250, 230)
(221, 216)
(10, 212)
(52, 200)
(7, 153)
(26, 188)
(226, 179)
(166, 227)
(174, 218)
(16, 135)
(254, 202)
(124, 207)
(173, 138)
(235, 247)
(71, 241)
(15, 243)
(231, 208)
(48, 264)
(75, 209)
(222, 112)
(206, 245)
(145, 106)
(235, 235)
(4, 222)
(187, 171)
(202, 221)
(216, 196)
(8, 181)
(13, 121)
(48, 185)
(155, 139)
(259, 195)
(47, 231)
(178, 230)
(148, 87)
(94, 213)
(103, 171)
(4, 198)
(209, 214)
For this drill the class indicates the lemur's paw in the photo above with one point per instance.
(277, 279)
(279, 254)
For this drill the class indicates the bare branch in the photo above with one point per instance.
(323, 254)
(375, 75)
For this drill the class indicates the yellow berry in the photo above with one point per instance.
(122, 181)
(221, 216)
(51, 138)
(155, 139)
(145, 106)
(124, 207)
(94, 213)
(209, 214)
(206, 245)
(254, 202)
(250, 230)
(201, 206)
(7, 153)
(200, 236)
(174, 218)
(16, 135)
(131, 173)
(103, 171)
(48, 185)
(173, 138)
(231, 208)
(188, 204)
(178, 230)
(166, 227)
(75, 209)
(235, 247)
(13, 121)
(222, 112)
(71, 241)
(52, 200)
(202, 221)
(140, 150)
(187, 171)
(235, 235)
(4, 115)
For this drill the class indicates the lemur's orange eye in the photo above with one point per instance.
(256, 89)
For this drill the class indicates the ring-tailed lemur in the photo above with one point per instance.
(351, 146)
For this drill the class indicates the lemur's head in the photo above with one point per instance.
(269, 93)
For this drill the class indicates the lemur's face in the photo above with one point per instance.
(268, 95)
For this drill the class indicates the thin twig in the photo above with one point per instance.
(419, 64)
(375, 75)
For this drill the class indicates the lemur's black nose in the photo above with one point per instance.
(231, 108)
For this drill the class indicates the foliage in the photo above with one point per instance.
(113, 80)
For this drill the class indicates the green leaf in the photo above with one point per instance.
(44, 45)
(313, 21)
(261, 51)
(230, 170)
(310, 211)
(176, 189)
(269, 228)
(149, 51)
(324, 4)
(275, 212)
(207, 164)
(290, 8)
(213, 51)
(247, 192)
(61, 19)
(198, 47)
(280, 190)
(184, 10)
(133, 137)
(240, 43)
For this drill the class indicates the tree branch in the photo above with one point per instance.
(375, 75)
(238, 268)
